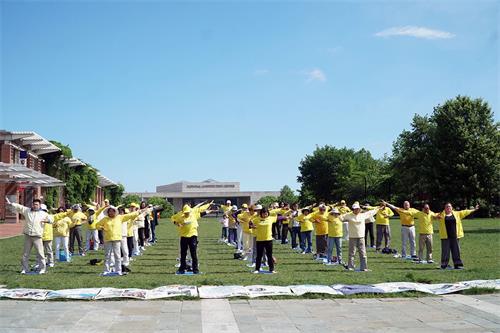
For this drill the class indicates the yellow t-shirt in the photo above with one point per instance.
(406, 216)
(78, 218)
(113, 226)
(335, 227)
(245, 218)
(305, 222)
(263, 230)
(320, 223)
(424, 222)
(382, 217)
(61, 227)
(188, 226)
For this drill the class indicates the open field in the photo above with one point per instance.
(480, 253)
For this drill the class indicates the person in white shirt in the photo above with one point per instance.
(35, 218)
(356, 227)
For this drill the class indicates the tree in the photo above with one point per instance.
(453, 155)
(114, 194)
(168, 208)
(267, 200)
(129, 198)
(287, 195)
(332, 174)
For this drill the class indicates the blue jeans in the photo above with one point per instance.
(295, 234)
(306, 236)
(337, 242)
(233, 236)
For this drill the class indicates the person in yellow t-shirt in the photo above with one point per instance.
(320, 223)
(294, 225)
(112, 224)
(335, 226)
(61, 226)
(450, 232)
(263, 225)
(47, 237)
(306, 228)
(188, 232)
(344, 209)
(75, 232)
(425, 232)
(245, 217)
(92, 239)
(407, 229)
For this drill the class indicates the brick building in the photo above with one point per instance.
(23, 171)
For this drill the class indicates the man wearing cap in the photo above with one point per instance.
(35, 218)
(111, 224)
(356, 221)
(344, 209)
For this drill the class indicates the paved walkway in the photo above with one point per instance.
(8, 230)
(453, 313)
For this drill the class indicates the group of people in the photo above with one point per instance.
(252, 229)
(123, 232)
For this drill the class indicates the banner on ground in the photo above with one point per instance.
(244, 291)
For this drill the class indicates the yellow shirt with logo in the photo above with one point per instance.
(245, 218)
(320, 222)
(61, 227)
(188, 226)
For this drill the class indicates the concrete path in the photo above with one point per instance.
(454, 313)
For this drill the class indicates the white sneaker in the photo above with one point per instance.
(51, 265)
(255, 272)
(42, 271)
(23, 272)
(251, 265)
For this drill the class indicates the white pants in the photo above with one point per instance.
(62, 242)
(136, 240)
(113, 255)
(92, 235)
(345, 227)
(247, 244)
(30, 242)
(49, 254)
(124, 248)
(239, 233)
(408, 234)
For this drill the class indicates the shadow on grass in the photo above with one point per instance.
(483, 231)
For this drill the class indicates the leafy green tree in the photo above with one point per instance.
(287, 195)
(129, 198)
(114, 194)
(267, 200)
(167, 206)
(453, 155)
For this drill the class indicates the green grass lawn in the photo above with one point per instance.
(480, 253)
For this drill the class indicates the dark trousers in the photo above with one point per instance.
(369, 231)
(284, 233)
(147, 225)
(192, 244)
(100, 233)
(295, 235)
(233, 236)
(153, 231)
(321, 245)
(130, 245)
(140, 232)
(383, 232)
(450, 245)
(277, 230)
(268, 246)
(224, 232)
(76, 233)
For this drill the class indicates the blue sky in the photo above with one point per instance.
(155, 92)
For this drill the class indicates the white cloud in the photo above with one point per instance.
(315, 74)
(417, 32)
(261, 72)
